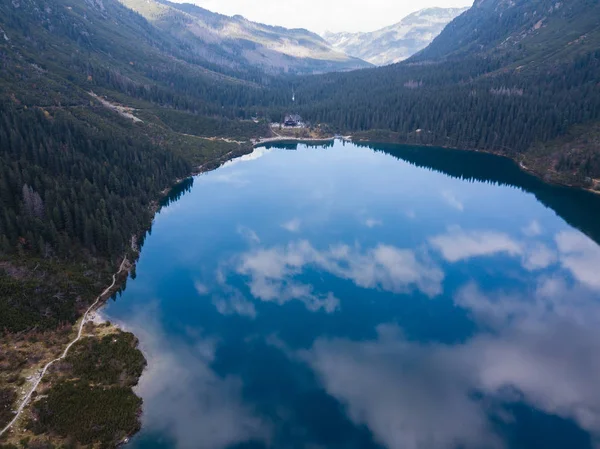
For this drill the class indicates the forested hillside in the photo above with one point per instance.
(76, 175)
(522, 31)
(100, 112)
(505, 77)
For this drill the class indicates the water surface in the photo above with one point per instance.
(350, 296)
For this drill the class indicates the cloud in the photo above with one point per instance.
(292, 225)
(533, 229)
(184, 399)
(353, 15)
(452, 201)
(458, 245)
(235, 178)
(538, 257)
(235, 304)
(248, 234)
(410, 396)
(371, 223)
(388, 268)
(581, 256)
(201, 288)
(256, 154)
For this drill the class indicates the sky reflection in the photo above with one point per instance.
(342, 298)
(184, 399)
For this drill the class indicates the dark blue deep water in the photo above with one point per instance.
(352, 296)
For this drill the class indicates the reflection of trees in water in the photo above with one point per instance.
(293, 145)
(174, 195)
(177, 192)
(579, 208)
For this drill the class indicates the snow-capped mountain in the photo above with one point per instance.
(397, 42)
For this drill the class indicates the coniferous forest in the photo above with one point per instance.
(69, 190)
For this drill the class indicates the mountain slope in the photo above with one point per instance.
(519, 30)
(397, 42)
(96, 72)
(236, 42)
(507, 76)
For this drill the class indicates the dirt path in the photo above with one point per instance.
(64, 354)
(121, 110)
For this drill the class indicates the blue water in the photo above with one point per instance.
(369, 297)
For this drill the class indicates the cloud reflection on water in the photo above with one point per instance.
(581, 256)
(452, 201)
(457, 245)
(293, 225)
(538, 256)
(534, 339)
(183, 397)
(409, 395)
(272, 271)
(541, 346)
(544, 345)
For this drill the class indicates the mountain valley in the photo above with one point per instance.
(105, 105)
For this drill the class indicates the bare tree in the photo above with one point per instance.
(34, 205)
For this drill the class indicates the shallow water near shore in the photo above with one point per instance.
(369, 296)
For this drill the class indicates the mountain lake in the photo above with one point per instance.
(368, 296)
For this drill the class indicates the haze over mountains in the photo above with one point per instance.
(396, 42)
(236, 42)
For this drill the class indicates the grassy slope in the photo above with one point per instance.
(88, 397)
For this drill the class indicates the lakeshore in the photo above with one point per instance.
(215, 164)
(207, 330)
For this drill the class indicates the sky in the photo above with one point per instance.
(325, 15)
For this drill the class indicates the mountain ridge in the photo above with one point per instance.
(517, 30)
(508, 77)
(237, 42)
(396, 42)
